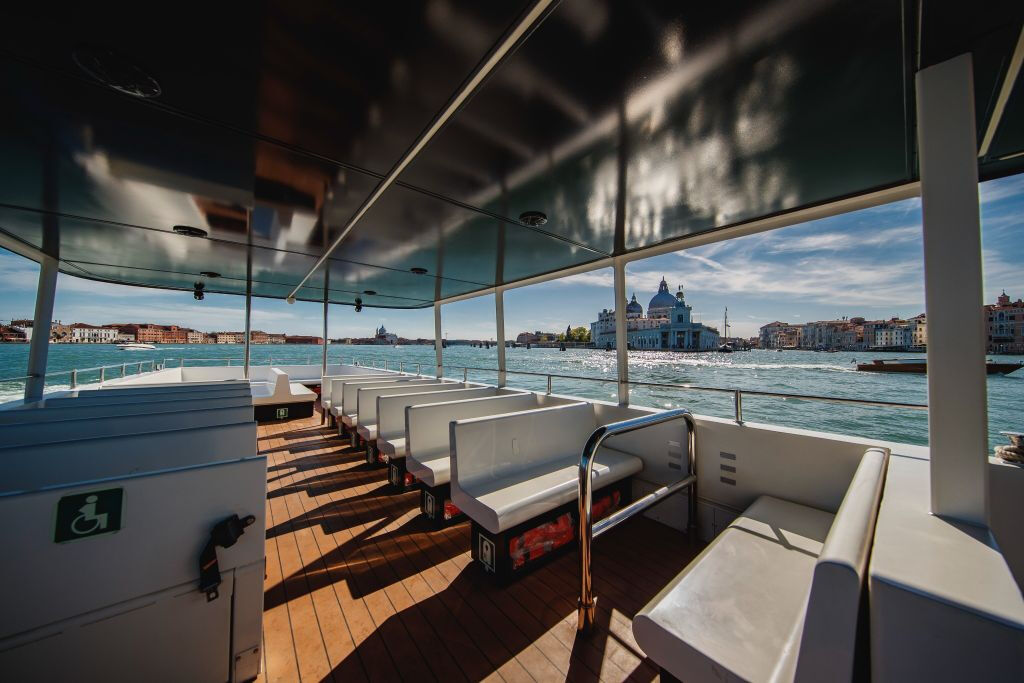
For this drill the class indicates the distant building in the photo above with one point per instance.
(275, 339)
(1004, 325)
(24, 326)
(536, 337)
(195, 337)
(301, 339)
(897, 336)
(82, 333)
(258, 337)
(779, 335)
(228, 337)
(667, 325)
(382, 336)
(11, 334)
(919, 328)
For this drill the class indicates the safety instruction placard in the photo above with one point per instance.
(84, 515)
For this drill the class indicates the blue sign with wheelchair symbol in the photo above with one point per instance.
(84, 515)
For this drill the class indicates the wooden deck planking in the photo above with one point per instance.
(359, 587)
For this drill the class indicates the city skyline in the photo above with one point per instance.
(867, 263)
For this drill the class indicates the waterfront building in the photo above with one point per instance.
(896, 336)
(779, 335)
(81, 333)
(195, 337)
(228, 337)
(300, 339)
(919, 327)
(1004, 322)
(11, 334)
(258, 337)
(664, 327)
(382, 336)
(275, 338)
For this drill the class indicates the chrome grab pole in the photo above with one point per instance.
(465, 374)
(549, 384)
(140, 368)
(124, 369)
(103, 375)
(401, 366)
(74, 378)
(587, 531)
(738, 401)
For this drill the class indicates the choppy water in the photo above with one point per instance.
(798, 372)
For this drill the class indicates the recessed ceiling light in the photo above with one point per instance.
(116, 71)
(419, 271)
(189, 231)
(209, 273)
(533, 218)
(370, 292)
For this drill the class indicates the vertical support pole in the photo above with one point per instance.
(957, 404)
(499, 319)
(327, 301)
(437, 339)
(39, 348)
(248, 311)
(621, 345)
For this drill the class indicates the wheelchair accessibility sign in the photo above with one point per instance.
(89, 514)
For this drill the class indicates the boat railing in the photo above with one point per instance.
(121, 370)
(737, 394)
(588, 530)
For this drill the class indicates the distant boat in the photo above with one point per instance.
(135, 346)
(725, 348)
(920, 366)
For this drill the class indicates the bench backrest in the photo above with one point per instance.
(391, 409)
(500, 446)
(200, 374)
(366, 399)
(93, 410)
(328, 381)
(278, 380)
(117, 397)
(37, 466)
(158, 387)
(830, 625)
(350, 393)
(197, 415)
(427, 427)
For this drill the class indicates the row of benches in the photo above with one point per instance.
(111, 497)
(775, 596)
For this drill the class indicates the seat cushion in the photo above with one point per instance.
(733, 612)
(393, 448)
(349, 420)
(432, 469)
(368, 432)
(501, 503)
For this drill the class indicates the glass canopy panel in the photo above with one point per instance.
(354, 82)
(695, 115)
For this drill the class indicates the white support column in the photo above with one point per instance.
(327, 301)
(499, 319)
(437, 339)
(957, 404)
(621, 345)
(248, 311)
(39, 348)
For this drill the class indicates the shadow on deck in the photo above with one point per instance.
(359, 587)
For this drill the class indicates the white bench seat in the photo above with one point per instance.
(394, 448)
(502, 503)
(775, 597)
(720, 616)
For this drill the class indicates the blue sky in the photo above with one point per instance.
(866, 263)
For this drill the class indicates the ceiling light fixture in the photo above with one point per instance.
(116, 71)
(533, 218)
(197, 293)
(359, 304)
(369, 292)
(189, 231)
(209, 273)
(418, 270)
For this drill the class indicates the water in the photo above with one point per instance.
(798, 372)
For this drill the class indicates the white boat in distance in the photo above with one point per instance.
(135, 346)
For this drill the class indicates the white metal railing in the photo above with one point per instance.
(102, 369)
(737, 394)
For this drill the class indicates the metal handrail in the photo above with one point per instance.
(100, 368)
(737, 394)
(588, 530)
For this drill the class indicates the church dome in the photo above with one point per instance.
(662, 301)
(634, 308)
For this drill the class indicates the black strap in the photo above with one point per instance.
(224, 534)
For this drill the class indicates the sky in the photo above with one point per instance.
(866, 263)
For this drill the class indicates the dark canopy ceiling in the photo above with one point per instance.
(627, 123)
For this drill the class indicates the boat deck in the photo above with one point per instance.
(359, 588)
